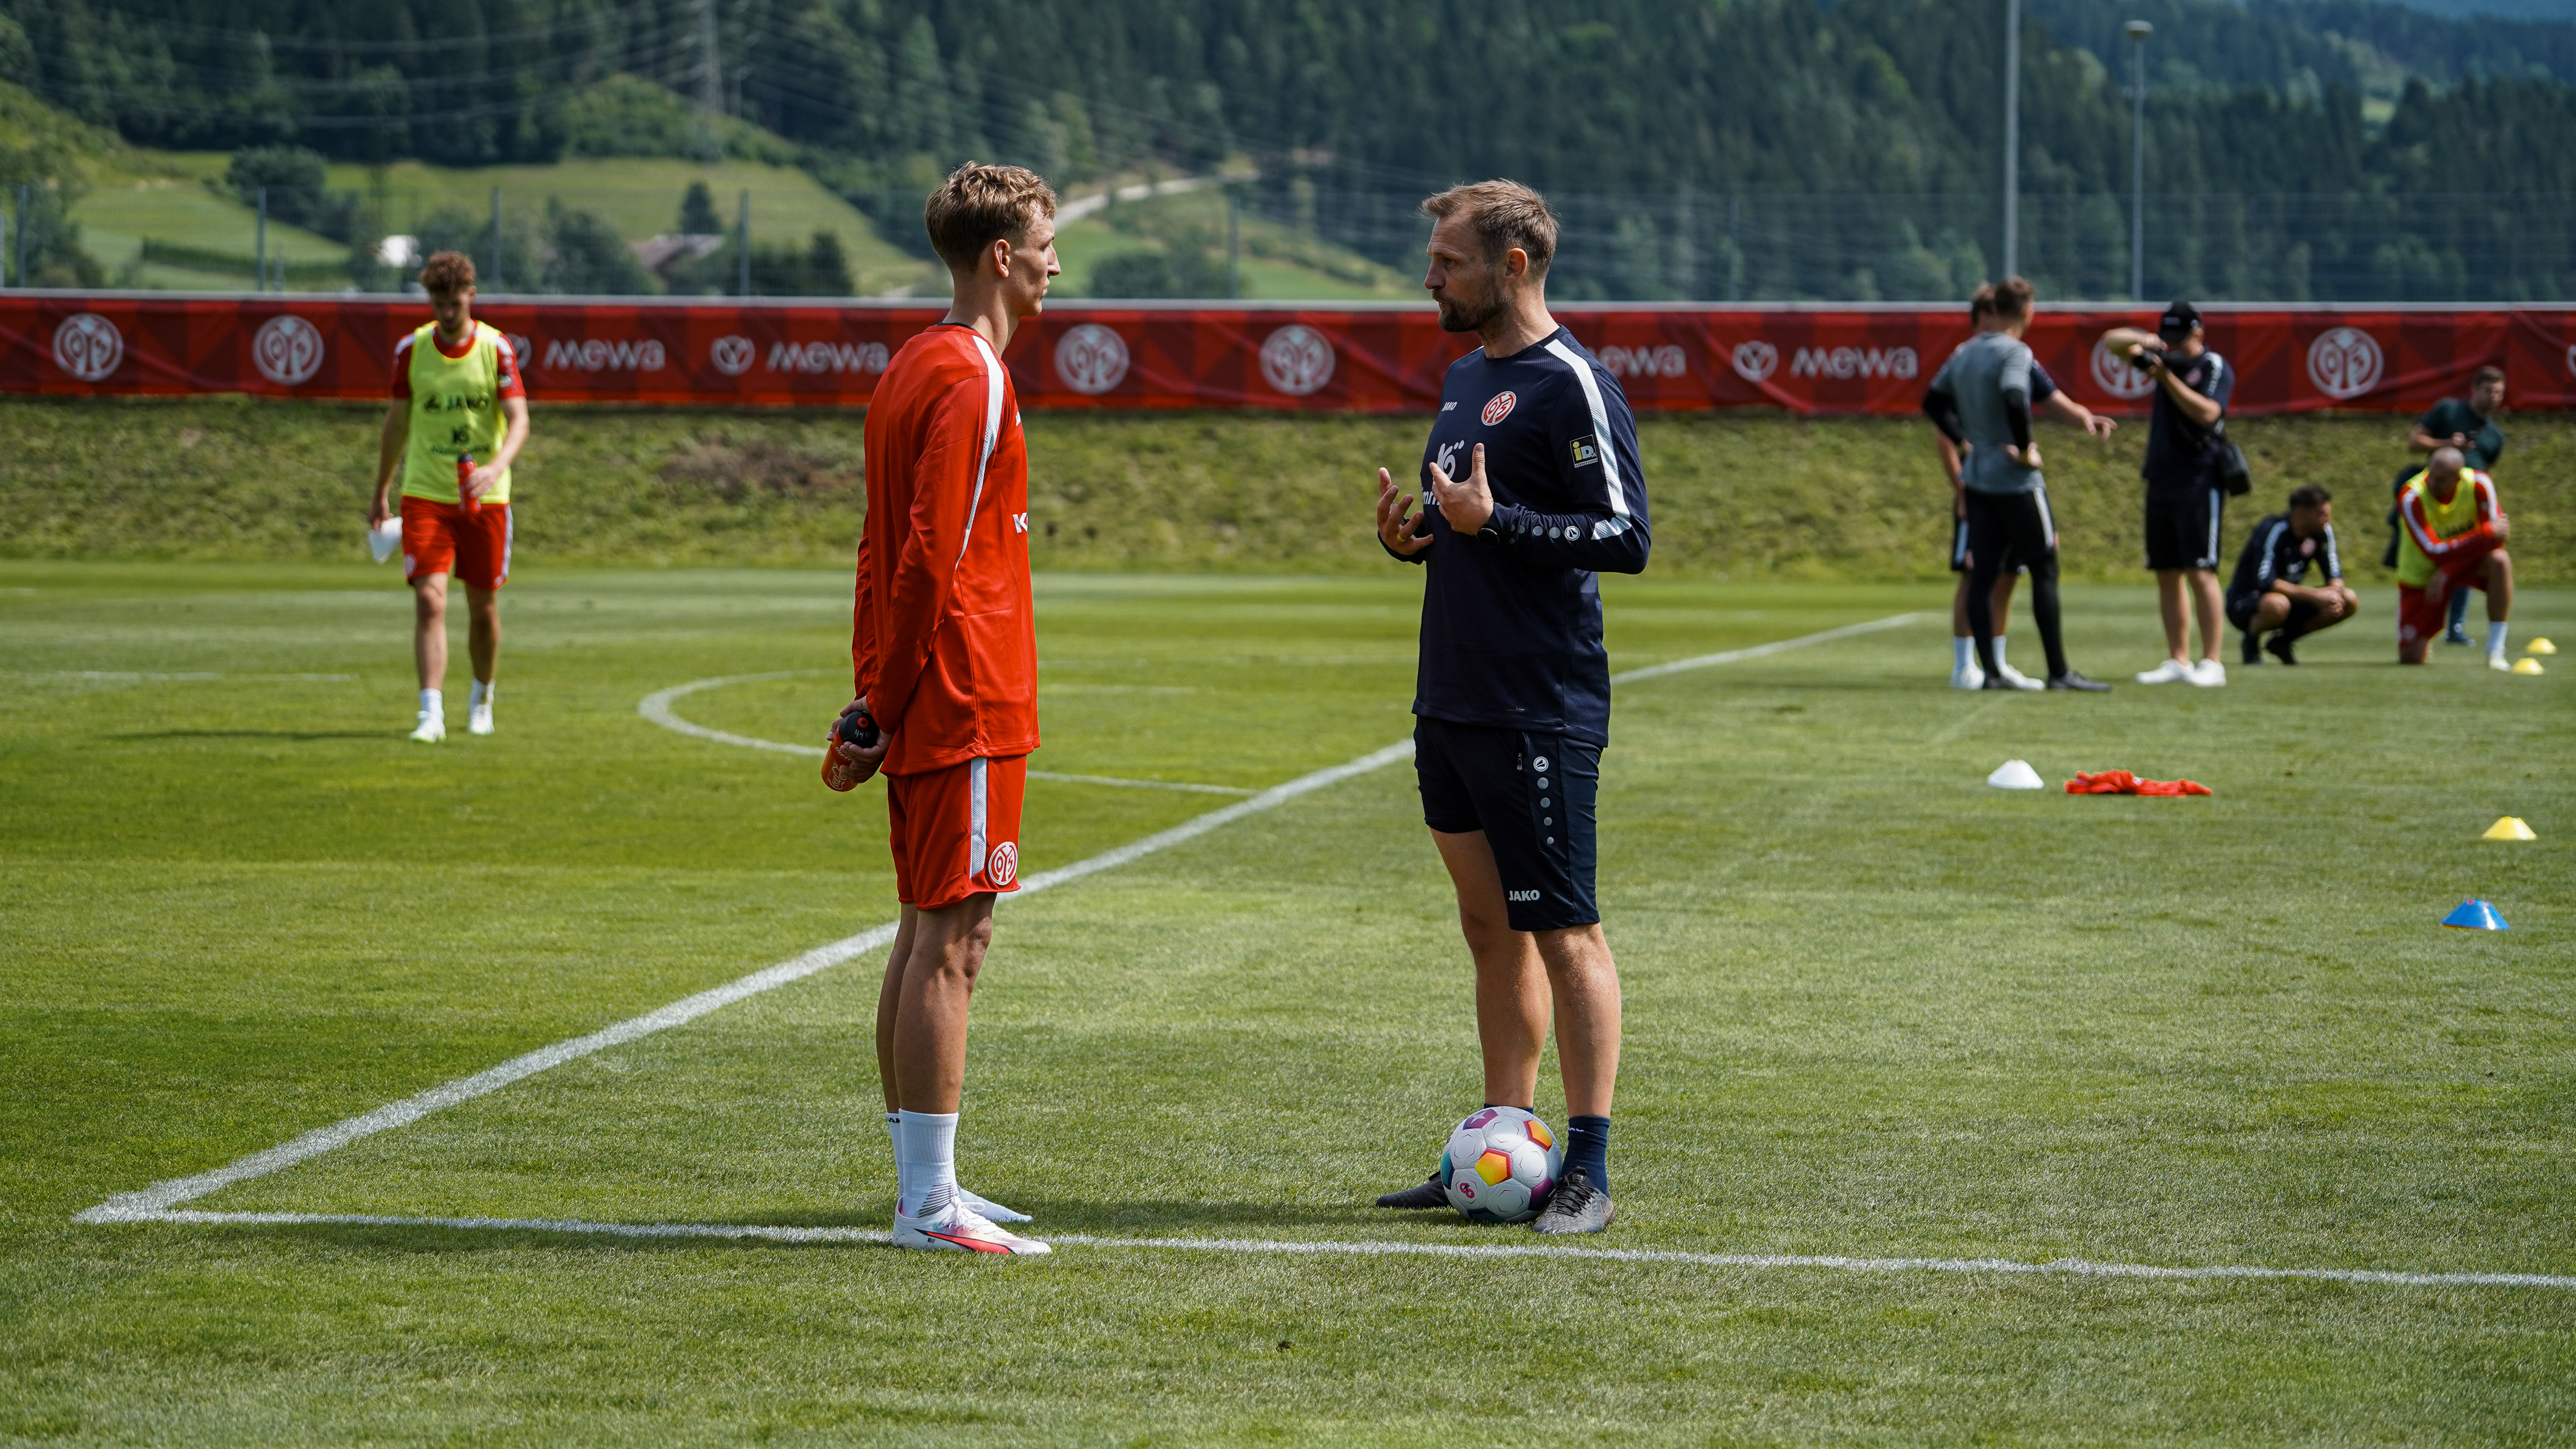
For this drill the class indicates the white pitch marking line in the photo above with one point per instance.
(159, 1197)
(2068, 1267)
(657, 708)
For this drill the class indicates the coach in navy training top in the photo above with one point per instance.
(1511, 616)
(1532, 481)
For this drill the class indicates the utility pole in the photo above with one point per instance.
(496, 239)
(259, 248)
(742, 247)
(22, 234)
(710, 83)
(1233, 245)
(2012, 138)
(2138, 31)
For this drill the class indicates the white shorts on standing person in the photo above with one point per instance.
(2186, 504)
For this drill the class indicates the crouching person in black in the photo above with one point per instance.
(2269, 593)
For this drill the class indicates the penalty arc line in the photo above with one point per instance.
(759, 1232)
(656, 707)
(143, 1203)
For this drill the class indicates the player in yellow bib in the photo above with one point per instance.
(2454, 539)
(456, 396)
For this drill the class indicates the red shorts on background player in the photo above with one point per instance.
(459, 417)
(943, 651)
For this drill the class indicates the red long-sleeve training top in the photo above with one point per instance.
(943, 637)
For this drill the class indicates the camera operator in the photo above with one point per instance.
(2185, 500)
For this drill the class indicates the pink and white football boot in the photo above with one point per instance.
(962, 1230)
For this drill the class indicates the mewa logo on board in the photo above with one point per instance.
(596, 354)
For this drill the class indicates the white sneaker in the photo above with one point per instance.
(2496, 662)
(2208, 674)
(432, 729)
(962, 1231)
(478, 720)
(1967, 676)
(2016, 678)
(984, 1207)
(2172, 671)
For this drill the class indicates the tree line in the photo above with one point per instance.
(1746, 148)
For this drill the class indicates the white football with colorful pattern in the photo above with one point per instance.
(1500, 1165)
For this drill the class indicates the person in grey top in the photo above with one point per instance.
(1980, 400)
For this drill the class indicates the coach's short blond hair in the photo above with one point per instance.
(1505, 215)
(978, 205)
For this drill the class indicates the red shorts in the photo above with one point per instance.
(956, 832)
(447, 538)
(2419, 619)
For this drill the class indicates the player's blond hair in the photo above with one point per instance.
(1505, 214)
(447, 273)
(978, 205)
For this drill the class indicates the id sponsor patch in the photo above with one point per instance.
(1586, 450)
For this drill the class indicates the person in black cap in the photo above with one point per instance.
(2184, 497)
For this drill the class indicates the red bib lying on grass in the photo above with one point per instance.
(2121, 782)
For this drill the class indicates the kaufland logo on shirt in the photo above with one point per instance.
(1499, 408)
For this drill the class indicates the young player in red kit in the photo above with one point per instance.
(943, 650)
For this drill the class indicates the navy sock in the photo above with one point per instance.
(1587, 1146)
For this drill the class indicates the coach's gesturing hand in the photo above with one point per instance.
(1466, 502)
(1396, 519)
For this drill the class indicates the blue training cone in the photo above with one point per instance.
(2476, 915)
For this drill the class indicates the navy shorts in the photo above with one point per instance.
(2182, 529)
(1532, 795)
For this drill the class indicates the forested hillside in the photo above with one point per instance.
(2342, 149)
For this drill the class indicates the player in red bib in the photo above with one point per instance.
(943, 650)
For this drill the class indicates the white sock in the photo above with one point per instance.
(2000, 665)
(1963, 652)
(2495, 638)
(926, 1163)
(894, 1135)
(480, 697)
(433, 703)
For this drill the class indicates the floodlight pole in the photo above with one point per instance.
(259, 248)
(2012, 137)
(2138, 31)
(1233, 245)
(496, 239)
(22, 234)
(742, 247)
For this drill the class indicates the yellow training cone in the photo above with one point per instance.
(2526, 666)
(2539, 646)
(2509, 828)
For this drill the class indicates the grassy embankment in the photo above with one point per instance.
(1735, 496)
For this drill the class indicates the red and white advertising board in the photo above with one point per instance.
(1814, 360)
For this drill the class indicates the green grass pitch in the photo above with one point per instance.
(1874, 1009)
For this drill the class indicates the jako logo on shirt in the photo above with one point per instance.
(1499, 409)
(1520, 895)
(1005, 867)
